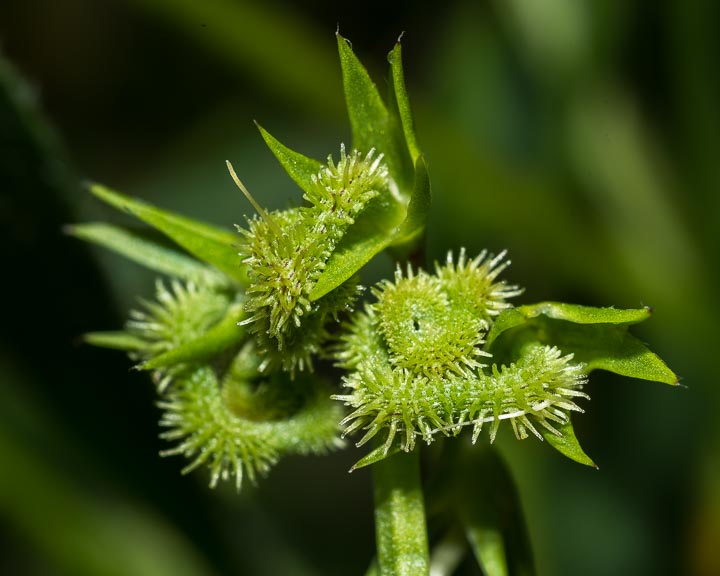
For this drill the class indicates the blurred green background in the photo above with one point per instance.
(581, 135)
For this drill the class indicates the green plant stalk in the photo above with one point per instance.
(400, 526)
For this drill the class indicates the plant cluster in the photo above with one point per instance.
(232, 338)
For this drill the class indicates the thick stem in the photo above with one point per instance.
(400, 527)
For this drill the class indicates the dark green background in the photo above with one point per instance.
(582, 136)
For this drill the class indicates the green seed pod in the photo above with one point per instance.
(182, 312)
(414, 360)
(240, 427)
(286, 252)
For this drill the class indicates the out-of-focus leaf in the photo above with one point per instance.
(300, 168)
(220, 337)
(448, 554)
(489, 548)
(45, 486)
(280, 51)
(493, 525)
(115, 340)
(208, 243)
(567, 444)
(598, 337)
(144, 251)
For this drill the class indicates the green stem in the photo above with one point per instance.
(400, 527)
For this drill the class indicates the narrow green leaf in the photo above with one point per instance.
(575, 313)
(567, 444)
(115, 340)
(347, 259)
(402, 102)
(488, 545)
(300, 168)
(598, 337)
(135, 246)
(369, 117)
(587, 314)
(372, 124)
(220, 337)
(611, 348)
(419, 207)
(208, 243)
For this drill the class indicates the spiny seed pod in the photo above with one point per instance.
(414, 360)
(474, 284)
(426, 329)
(286, 252)
(240, 427)
(540, 387)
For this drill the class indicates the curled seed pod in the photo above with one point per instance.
(425, 329)
(414, 362)
(239, 428)
(286, 252)
(540, 387)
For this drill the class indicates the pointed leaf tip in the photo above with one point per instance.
(204, 241)
(567, 444)
(299, 167)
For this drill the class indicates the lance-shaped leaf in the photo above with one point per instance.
(400, 102)
(300, 168)
(208, 243)
(373, 125)
(145, 251)
(598, 337)
(398, 217)
(567, 444)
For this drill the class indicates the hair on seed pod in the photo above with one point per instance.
(181, 313)
(229, 424)
(414, 360)
(286, 252)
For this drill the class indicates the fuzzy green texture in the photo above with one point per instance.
(286, 252)
(415, 361)
(200, 418)
(221, 414)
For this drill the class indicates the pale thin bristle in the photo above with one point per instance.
(259, 209)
